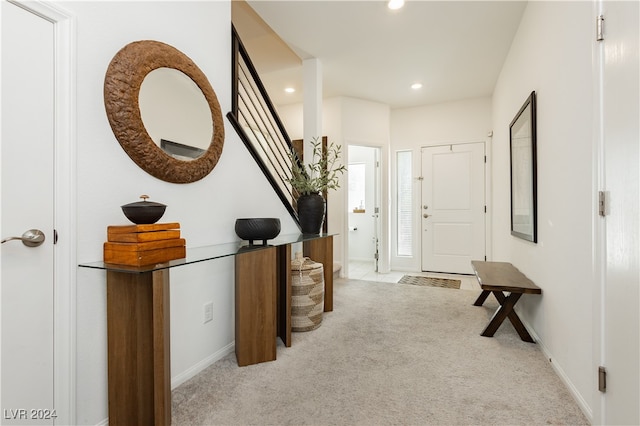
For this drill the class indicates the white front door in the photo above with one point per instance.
(621, 319)
(453, 207)
(27, 201)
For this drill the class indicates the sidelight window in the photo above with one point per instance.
(404, 204)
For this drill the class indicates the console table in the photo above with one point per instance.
(139, 368)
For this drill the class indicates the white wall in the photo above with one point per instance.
(107, 179)
(551, 54)
(462, 121)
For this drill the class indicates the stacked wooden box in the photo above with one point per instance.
(140, 245)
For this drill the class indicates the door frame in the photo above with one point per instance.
(377, 201)
(64, 351)
(384, 259)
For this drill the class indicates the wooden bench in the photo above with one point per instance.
(498, 278)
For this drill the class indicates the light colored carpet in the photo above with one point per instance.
(429, 281)
(387, 354)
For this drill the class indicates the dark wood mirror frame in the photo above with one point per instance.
(524, 188)
(122, 84)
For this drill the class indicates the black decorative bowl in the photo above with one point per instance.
(258, 228)
(144, 212)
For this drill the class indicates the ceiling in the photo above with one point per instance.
(456, 49)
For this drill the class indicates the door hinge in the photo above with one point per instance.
(485, 209)
(376, 256)
(600, 28)
(602, 379)
(602, 203)
(55, 236)
(485, 159)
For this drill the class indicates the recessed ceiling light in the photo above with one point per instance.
(416, 86)
(289, 90)
(395, 4)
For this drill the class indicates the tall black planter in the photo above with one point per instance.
(311, 209)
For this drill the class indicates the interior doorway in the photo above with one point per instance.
(363, 210)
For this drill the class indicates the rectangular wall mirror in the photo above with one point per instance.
(522, 135)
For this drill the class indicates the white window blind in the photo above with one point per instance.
(404, 213)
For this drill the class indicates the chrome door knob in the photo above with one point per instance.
(31, 238)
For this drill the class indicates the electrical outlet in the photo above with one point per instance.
(208, 312)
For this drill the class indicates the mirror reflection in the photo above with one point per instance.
(175, 113)
(522, 173)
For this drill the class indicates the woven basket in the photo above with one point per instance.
(307, 294)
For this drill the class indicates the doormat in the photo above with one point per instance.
(430, 281)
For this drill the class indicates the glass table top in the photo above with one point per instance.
(205, 253)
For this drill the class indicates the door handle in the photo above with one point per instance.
(426, 215)
(31, 238)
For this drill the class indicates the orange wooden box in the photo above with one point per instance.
(145, 253)
(143, 233)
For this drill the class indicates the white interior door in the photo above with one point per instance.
(27, 201)
(453, 207)
(622, 182)
(363, 208)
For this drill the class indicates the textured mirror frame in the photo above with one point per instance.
(123, 79)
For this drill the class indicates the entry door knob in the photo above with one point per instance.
(31, 238)
(426, 215)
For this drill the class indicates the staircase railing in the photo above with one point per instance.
(257, 123)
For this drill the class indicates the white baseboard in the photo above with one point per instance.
(197, 368)
(584, 407)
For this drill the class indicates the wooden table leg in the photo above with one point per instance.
(321, 250)
(256, 306)
(139, 367)
(284, 294)
(514, 318)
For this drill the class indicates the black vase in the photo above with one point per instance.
(311, 209)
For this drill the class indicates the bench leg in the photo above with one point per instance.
(483, 296)
(506, 311)
(513, 317)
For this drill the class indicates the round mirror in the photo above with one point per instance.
(163, 111)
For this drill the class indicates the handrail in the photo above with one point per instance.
(256, 121)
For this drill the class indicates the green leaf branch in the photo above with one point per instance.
(320, 174)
